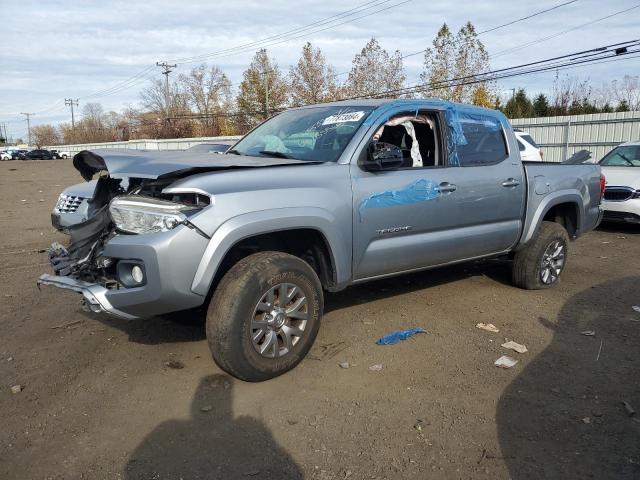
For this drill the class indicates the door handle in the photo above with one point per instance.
(510, 182)
(446, 187)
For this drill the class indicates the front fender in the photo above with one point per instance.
(536, 213)
(265, 221)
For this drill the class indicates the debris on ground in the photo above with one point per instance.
(629, 409)
(636, 308)
(418, 425)
(206, 408)
(68, 324)
(175, 364)
(399, 336)
(588, 333)
(586, 420)
(17, 389)
(344, 364)
(511, 345)
(489, 327)
(599, 350)
(327, 350)
(505, 362)
(376, 368)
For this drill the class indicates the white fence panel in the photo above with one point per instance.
(561, 137)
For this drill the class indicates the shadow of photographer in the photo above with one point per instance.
(563, 416)
(211, 444)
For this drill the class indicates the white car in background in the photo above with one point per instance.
(621, 169)
(529, 149)
(4, 155)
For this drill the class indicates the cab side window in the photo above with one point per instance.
(415, 134)
(485, 142)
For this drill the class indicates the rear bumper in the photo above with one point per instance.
(94, 295)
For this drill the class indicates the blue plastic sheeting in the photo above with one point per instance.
(455, 117)
(399, 336)
(419, 191)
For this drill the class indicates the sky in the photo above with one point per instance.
(105, 51)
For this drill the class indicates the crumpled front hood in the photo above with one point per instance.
(622, 176)
(121, 163)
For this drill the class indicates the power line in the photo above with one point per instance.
(618, 49)
(535, 14)
(257, 43)
(549, 37)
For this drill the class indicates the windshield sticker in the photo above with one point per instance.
(419, 191)
(343, 117)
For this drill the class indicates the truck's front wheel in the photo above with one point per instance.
(264, 316)
(540, 263)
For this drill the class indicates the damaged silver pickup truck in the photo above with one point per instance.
(315, 199)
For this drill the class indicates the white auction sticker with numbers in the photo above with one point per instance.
(343, 117)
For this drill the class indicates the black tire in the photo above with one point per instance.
(234, 306)
(529, 264)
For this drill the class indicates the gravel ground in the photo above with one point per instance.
(102, 398)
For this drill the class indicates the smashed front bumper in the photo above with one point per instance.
(94, 294)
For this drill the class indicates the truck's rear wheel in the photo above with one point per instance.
(541, 262)
(264, 316)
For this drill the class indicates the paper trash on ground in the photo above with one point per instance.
(515, 346)
(489, 327)
(505, 362)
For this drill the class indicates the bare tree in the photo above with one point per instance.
(461, 57)
(627, 91)
(45, 135)
(263, 90)
(374, 71)
(208, 93)
(312, 80)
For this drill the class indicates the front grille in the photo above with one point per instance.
(618, 194)
(69, 203)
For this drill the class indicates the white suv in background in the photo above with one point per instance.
(529, 149)
(621, 169)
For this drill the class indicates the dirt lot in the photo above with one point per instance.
(101, 401)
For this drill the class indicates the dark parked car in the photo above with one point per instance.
(19, 155)
(221, 146)
(39, 154)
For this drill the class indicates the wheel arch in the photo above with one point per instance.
(310, 233)
(563, 208)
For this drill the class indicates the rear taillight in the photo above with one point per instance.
(602, 184)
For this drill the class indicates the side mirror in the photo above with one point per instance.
(382, 156)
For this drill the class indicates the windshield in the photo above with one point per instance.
(314, 134)
(625, 156)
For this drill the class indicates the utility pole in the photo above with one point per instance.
(166, 71)
(28, 115)
(69, 102)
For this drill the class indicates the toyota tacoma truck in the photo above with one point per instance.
(315, 199)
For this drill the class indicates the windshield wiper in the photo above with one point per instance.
(273, 153)
(233, 152)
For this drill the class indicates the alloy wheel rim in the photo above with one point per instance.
(279, 320)
(552, 262)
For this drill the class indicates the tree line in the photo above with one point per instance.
(204, 102)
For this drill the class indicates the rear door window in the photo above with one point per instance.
(485, 142)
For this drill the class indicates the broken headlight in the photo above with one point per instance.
(135, 214)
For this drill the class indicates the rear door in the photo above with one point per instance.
(466, 205)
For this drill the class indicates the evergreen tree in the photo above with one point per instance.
(623, 106)
(519, 106)
(541, 106)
